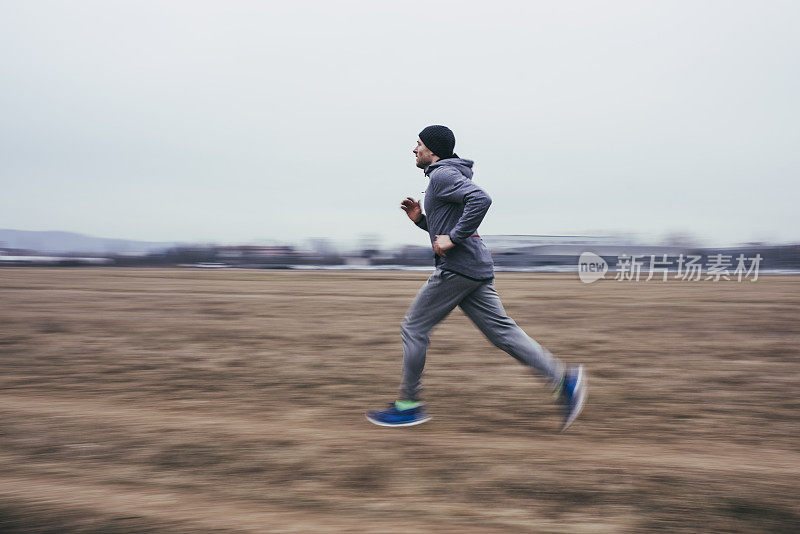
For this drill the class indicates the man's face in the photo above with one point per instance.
(424, 156)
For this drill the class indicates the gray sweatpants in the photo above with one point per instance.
(444, 291)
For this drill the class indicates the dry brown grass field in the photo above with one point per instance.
(157, 400)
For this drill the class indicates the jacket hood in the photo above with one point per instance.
(464, 166)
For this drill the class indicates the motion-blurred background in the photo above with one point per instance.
(204, 266)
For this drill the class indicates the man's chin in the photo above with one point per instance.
(421, 164)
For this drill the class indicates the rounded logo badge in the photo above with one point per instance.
(591, 267)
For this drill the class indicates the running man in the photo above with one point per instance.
(464, 277)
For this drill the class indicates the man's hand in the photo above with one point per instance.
(442, 244)
(412, 209)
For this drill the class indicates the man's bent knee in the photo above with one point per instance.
(411, 332)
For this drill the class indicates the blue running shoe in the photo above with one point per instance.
(573, 394)
(394, 417)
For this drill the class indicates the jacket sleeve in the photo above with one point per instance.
(451, 186)
(423, 223)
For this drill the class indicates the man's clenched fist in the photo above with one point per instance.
(442, 244)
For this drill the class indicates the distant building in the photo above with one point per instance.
(256, 251)
(511, 242)
(550, 250)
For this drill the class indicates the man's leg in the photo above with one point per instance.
(437, 298)
(484, 308)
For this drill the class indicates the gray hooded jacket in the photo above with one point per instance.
(455, 206)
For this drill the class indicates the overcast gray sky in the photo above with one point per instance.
(235, 121)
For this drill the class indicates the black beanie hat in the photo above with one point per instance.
(439, 139)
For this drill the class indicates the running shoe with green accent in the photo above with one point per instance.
(394, 417)
(573, 394)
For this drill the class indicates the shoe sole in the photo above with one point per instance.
(412, 423)
(582, 386)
